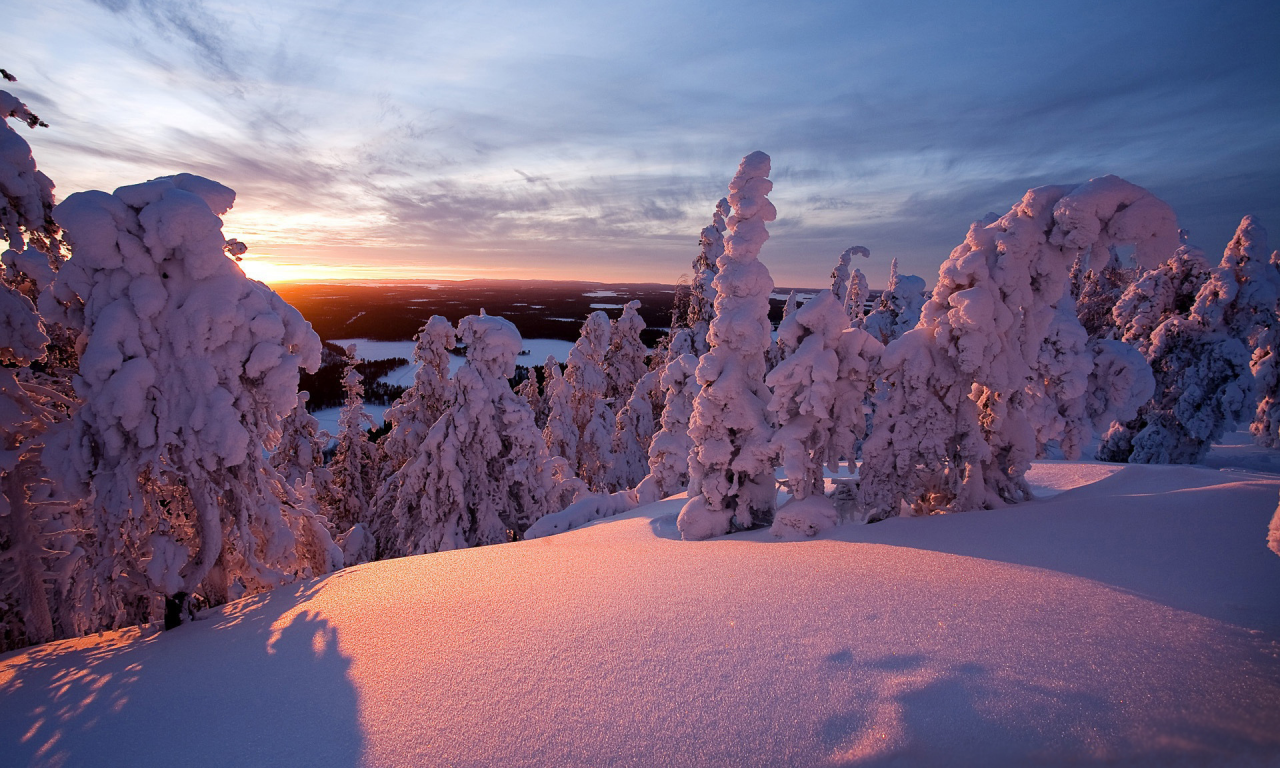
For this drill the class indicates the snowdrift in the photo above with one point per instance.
(1131, 617)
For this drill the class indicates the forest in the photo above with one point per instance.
(160, 458)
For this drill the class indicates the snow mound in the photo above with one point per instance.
(1133, 620)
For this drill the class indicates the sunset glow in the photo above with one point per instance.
(568, 140)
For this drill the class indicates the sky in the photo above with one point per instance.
(590, 140)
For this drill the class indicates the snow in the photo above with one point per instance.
(1127, 620)
(534, 352)
(328, 417)
(370, 349)
(600, 294)
(606, 306)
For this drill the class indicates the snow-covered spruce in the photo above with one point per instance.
(954, 428)
(412, 415)
(482, 476)
(1273, 532)
(855, 303)
(26, 194)
(624, 361)
(731, 483)
(1200, 356)
(355, 459)
(669, 449)
(186, 370)
(777, 352)
(805, 405)
(899, 308)
(532, 394)
(26, 554)
(579, 421)
(702, 295)
(633, 432)
(299, 455)
(1098, 291)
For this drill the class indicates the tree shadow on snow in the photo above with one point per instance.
(253, 684)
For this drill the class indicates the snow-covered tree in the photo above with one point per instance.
(417, 409)
(26, 194)
(1200, 356)
(1265, 365)
(855, 302)
(624, 361)
(482, 476)
(777, 352)
(300, 451)
(669, 449)
(850, 288)
(1097, 292)
(552, 379)
(731, 483)
(1159, 294)
(809, 396)
(702, 294)
(954, 429)
(27, 557)
(1082, 386)
(186, 371)
(355, 459)
(532, 394)
(579, 421)
(632, 434)
(1273, 532)
(899, 308)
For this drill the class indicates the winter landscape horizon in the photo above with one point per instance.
(828, 384)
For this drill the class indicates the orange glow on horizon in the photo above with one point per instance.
(272, 269)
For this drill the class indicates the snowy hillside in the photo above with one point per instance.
(1130, 616)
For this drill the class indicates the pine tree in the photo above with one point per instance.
(632, 434)
(1200, 356)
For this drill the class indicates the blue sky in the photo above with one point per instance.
(591, 140)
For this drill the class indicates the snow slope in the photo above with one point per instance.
(1132, 618)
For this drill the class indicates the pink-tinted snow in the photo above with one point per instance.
(1133, 618)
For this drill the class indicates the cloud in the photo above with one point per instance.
(616, 127)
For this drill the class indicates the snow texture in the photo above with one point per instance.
(731, 482)
(1128, 621)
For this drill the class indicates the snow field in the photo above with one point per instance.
(1048, 633)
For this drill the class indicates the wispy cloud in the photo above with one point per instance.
(605, 133)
